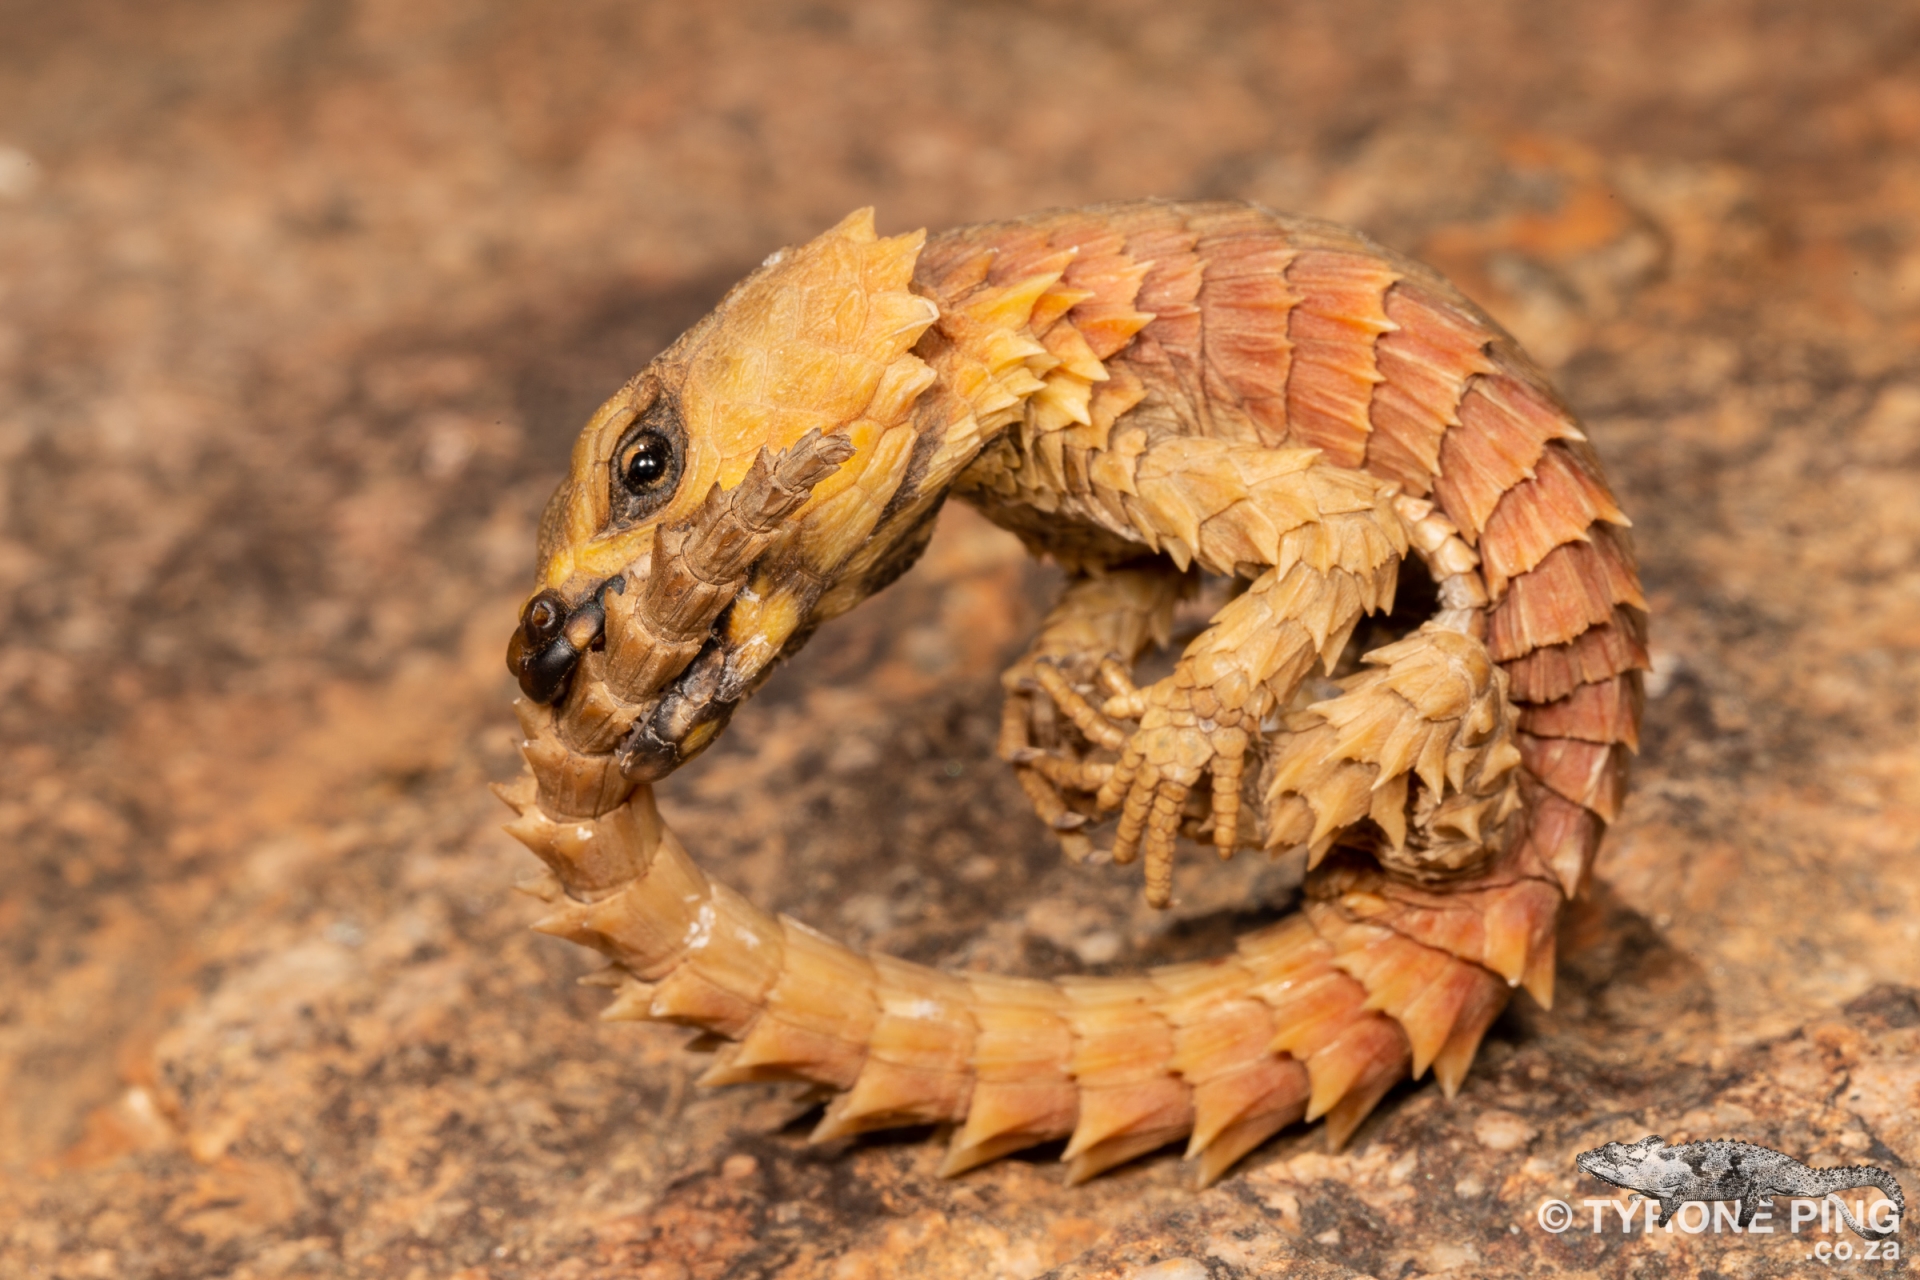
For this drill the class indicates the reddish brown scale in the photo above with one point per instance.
(1171, 284)
(1501, 925)
(1504, 426)
(1557, 837)
(1426, 363)
(1593, 774)
(1575, 587)
(1606, 711)
(1168, 350)
(953, 267)
(1401, 975)
(1244, 302)
(1598, 654)
(1555, 507)
(1097, 262)
(1033, 254)
(1109, 319)
(1333, 329)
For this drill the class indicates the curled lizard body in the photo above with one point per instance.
(1145, 392)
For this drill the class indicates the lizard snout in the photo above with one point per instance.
(547, 644)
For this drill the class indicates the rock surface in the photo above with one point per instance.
(299, 306)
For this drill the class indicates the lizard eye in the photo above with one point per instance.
(647, 463)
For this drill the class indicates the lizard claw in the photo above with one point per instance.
(1089, 720)
(1047, 772)
(1160, 764)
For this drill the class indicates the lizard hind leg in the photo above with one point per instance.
(1420, 742)
(1419, 746)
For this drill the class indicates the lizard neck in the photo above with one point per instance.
(1029, 317)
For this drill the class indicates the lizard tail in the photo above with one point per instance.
(1316, 1017)
(1859, 1228)
(1831, 1182)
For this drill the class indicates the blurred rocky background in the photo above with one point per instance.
(300, 304)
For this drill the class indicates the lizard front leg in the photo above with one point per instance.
(1203, 718)
(1321, 545)
(1101, 620)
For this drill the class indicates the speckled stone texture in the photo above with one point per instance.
(299, 307)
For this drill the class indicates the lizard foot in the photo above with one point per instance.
(1058, 775)
(1100, 621)
(1184, 733)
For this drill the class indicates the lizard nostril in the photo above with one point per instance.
(542, 619)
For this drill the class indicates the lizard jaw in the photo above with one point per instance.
(689, 714)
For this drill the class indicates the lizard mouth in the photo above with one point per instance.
(552, 636)
(1598, 1168)
(692, 709)
(687, 712)
(668, 661)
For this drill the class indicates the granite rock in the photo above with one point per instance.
(302, 302)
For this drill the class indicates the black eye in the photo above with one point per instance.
(646, 463)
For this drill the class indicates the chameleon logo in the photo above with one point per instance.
(1720, 1169)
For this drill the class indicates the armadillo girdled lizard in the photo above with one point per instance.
(1144, 392)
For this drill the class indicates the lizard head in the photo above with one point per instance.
(710, 502)
(1620, 1162)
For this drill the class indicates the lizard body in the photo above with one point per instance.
(1721, 1169)
(1142, 391)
